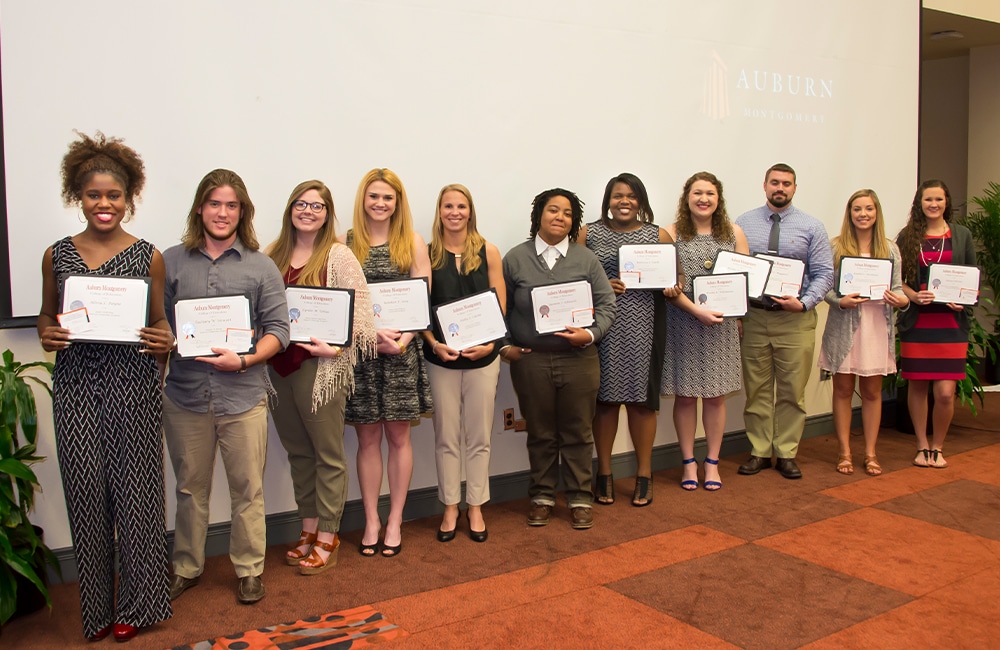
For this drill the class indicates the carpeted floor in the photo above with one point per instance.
(910, 559)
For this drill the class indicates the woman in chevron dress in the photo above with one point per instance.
(106, 401)
(632, 351)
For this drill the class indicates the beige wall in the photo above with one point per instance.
(944, 124)
(984, 118)
(980, 9)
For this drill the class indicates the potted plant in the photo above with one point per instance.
(984, 224)
(23, 555)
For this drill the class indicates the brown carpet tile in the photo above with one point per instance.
(910, 559)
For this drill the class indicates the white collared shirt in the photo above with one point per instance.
(551, 254)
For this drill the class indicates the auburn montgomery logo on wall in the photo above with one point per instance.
(760, 94)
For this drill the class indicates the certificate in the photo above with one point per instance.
(218, 322)
(471, 321)
(722, 292)
(402, 305)
(954, 283)
(757, 269)
(648, 266)
(867, 276)
(556, 306)
(786, 276)
(104, 308)
(322, 313)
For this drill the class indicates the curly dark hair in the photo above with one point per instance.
(101, 155)
(538, 205)
(722, 228)
(911, 237)
(632, 181)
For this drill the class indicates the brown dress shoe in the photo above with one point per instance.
(251, 590)
(583, 517)
(180, 584)
(539, 514)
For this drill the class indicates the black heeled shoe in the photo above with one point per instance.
(476, 535)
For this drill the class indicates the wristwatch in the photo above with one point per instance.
(243, 365)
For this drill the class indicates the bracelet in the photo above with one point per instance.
(243, 364)
(402, 346)
(434, 347)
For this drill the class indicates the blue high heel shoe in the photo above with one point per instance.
(713, 486)
(690, 484)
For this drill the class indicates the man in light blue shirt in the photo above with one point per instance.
(779, 333)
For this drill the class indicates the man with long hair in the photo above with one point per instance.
(218, 402)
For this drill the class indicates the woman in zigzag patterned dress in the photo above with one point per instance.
(106, 401)
(632, 351)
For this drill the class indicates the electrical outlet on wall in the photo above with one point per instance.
(508, 419)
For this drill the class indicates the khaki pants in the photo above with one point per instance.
(192, 439)
(464, 401)
(777, 350)
(557, 393)
(315, 445)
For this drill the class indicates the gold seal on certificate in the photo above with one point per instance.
(647, 266)
(557, 306)
(869, 277)
(786, 276)
(725, 293)
(217, 322)
(757, 269)
(402, 305)
(471, 321)
(954, 283)
(103, 308)
(322, 313)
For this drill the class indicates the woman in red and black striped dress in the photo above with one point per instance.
(934, 336)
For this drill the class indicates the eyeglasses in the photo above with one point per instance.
(302, 205)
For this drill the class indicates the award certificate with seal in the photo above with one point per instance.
(786, 276)
(557, 306)
(647, 266)
(954, 283)
(104, 308)
(725, 293)
(868, 277)
(323, 313)
(217, 322)
(403, 305)
(757, 269)
(471, 321)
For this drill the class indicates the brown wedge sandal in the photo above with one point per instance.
(313, 564)
(845, 465)
(294, 556)
(872, 468)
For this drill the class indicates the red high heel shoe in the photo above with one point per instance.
(100, 634)
(125, 632)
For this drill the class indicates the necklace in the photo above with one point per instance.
(935, 248)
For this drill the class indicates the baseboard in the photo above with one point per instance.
(283, 527)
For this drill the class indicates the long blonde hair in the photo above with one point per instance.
(846, 245)
(400, 222)
(474, 242)
(280, 250)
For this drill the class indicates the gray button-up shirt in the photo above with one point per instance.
(196, 385)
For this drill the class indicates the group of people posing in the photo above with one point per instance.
(110, 409)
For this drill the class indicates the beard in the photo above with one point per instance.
(779, 201)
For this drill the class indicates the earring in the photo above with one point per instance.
(80, 216)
